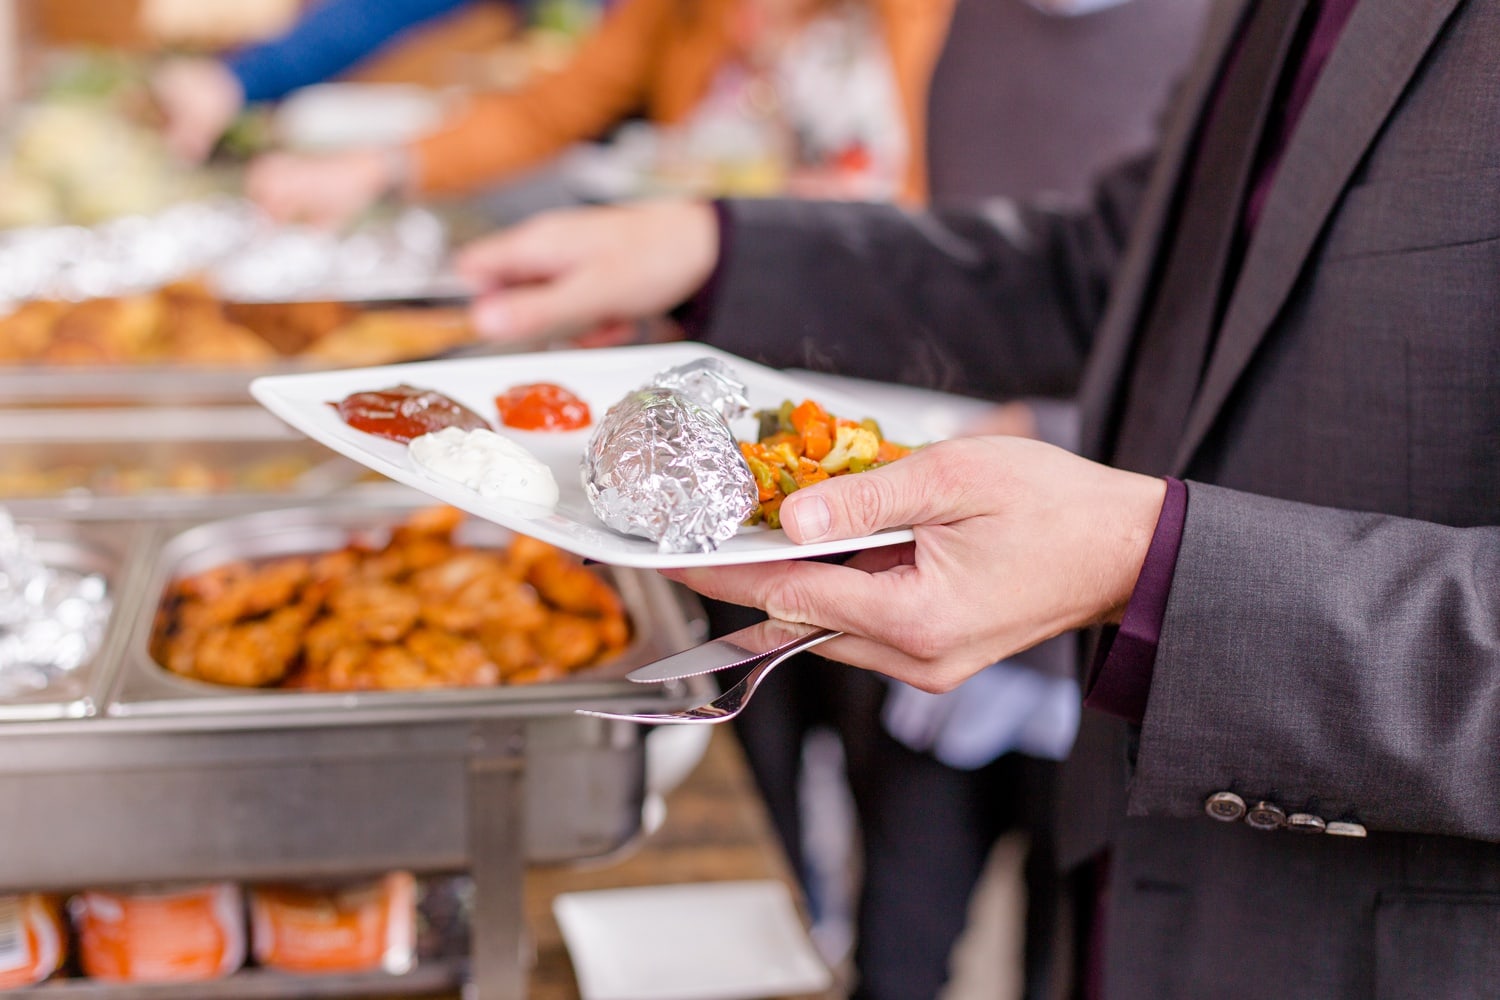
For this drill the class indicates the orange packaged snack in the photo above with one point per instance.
(33, 939)
(175, 934)
(360, 927)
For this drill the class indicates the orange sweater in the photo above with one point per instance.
(657, 57)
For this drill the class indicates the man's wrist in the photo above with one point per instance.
(1141, 521)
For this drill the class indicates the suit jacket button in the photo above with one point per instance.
(1265, 816)
(1305, 823)
(1226, 807)
(1347, 830)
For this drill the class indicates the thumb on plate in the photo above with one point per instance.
(905, 492)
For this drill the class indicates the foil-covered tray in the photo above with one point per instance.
(664, 619)
(112, 552)
(241, 253)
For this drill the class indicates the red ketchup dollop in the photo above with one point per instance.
(404, 412)
(541, 406)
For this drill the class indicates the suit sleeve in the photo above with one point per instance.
(997, 301)
(1332, 662)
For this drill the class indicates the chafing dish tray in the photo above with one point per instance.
(661, 625)
(109, 550)
(199, 781)
(161, 462)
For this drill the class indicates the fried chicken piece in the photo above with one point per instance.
(571, 586)
(568, 641)
(27, 331)
(348, 668)
(472, 588)
(394, 668)
(443, 521)
(213, 340)
(253, 654)
(328, 573)
(291, 327)
(454, 660)
(512, 652)
(525, 552)
(537, 675)
(235, 592)
(387, 335)
(275, 584)
(377, 611)
(107, 330)
(212, 584)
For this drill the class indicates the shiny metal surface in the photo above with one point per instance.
(767, 638)
(112, 552)
(129, 463)
(661, 625)
(732, 702)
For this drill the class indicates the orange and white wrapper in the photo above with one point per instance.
(357, 927)
(176, 934)
(33, 939)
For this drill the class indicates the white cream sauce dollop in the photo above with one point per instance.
(495, 467)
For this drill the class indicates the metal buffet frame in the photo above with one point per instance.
(147, 777)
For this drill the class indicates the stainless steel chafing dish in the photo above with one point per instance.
(112, 551)
(180, 780)
(138, 463)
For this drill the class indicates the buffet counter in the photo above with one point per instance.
(129, 774)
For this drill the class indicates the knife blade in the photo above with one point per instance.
(736, 649)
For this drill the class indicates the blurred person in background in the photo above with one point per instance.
(200, 97)
(822, 97)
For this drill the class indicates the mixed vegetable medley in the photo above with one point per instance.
(802, 444)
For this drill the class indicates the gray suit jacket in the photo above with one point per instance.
(1332, 639)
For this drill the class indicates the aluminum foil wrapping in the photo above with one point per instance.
(51, 620)
(663, 463)
(244, 255)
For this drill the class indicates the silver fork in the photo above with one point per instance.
(732, 702)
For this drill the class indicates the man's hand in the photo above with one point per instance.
(326, 190)
(578, 270)
(199, 99)
(1017, 541)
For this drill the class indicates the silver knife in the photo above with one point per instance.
(771, 637)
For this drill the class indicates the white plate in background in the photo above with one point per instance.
(701, 941)
(599, 377)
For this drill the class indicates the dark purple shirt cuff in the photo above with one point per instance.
(1120, 682)
(694, 314)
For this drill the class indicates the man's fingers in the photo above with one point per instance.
(923, 488)
(815, 593)
(903, 644)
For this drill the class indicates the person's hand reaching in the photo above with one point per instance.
(198, 99)
(589, 269)
(324, 190)
(1016, 542)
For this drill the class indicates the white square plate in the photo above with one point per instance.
(705, 941)
(599, 377)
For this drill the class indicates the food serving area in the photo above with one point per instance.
(227, 768)
(124, 773)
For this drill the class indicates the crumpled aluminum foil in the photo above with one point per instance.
(51, 620)
(244, 255)
(663, 463)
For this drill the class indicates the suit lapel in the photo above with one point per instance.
(1381, 47)
(1101, 381)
